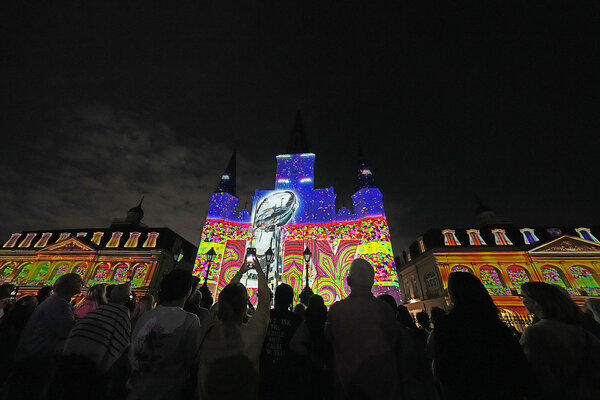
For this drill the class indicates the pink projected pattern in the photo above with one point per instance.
(232, 260)
(332, 269)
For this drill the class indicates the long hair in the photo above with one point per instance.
(316, 314)
(553, 302)
(233, 301)
(97, 293)
(470, 297)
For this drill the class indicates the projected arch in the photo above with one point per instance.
(555, 276)
(100, 275)
(518, 276)
(585, 279)
(492, 280)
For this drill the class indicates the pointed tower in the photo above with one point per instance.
(223, 201)
(296, 168)
(484, 214)
(367, 200)
(134, 216)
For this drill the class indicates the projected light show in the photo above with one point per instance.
(290, 218)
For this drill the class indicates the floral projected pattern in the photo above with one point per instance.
(6, 271)
(59, 271)
(140, 271)
(120, 274)
(585, 280)
(332, 269)
(517, 275)
(551, 275)
(232, 260)
(42, 270)
(80, 270)
(461, 268)
(491, 280)
(293, 265)
(101, 274)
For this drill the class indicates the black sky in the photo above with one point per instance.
(451, 99)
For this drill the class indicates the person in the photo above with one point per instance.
(592, 307)
(192, 304)
(277, 362)
(5, 298)
(51, 322)
(146, 303)
(474, 353)
(300, 310)
(227, 337)
(43, 293)
(102, 336)
(564, 354)
(207, 297)
(363, 334)
(388, 299)
(164, 344)
(94, 298)
(424, 322)
(406, 320)
(316, 354)
(437, 313)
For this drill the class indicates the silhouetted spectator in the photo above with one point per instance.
(405, 319)
(207, 297)
(592, 307)
(51, 322)
(564, 355)
(364, 335)
(473, 351)
(192, 304)
(109, 289)
(5, 300)
(436, 314)
(10, 330)
(102, 336)
(388, 299)
(424, 322)
(228, 336)
(146, 303)
(305, 295)
(316, 353)
(43, 293)
(165, 343)
(300, 310)
(94, 298)
(277, 361)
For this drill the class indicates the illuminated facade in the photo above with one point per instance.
(503, 257)
(292, 216)
(127, 248)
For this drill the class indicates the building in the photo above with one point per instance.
(128, 248)
(293, 217)
(503, 257)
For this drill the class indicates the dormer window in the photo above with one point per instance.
(407, 254)
(28, 239)
(450, 238)
(13, 240)
(96, 238)
(529, 236)
(151, 240)
(421, 245)
(115, 239)
(501, 238)
(63, 236)
(554, 232)
(475, 238)
(133, 239)
(43, 240)
(585, 234)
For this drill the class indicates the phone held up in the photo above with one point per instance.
(251, 257)
(13, 293)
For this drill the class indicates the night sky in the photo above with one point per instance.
(103, 102)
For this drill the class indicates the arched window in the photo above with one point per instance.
(6, 271)
(120, 274)
(585, 234)
(529, 236)
(24, 271)
(42, 270)
(80, 269)
(585, 280)
(517, 275)
(450, 238)
(100, 275)
(554, 276)
(139, 273)
(491, 279)
(501, 238)
(475, 238)
(461, 268)
(59, 270)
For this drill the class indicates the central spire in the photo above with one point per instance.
(227, 182)
(298, 143)
(364, 178)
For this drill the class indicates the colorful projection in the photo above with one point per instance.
(287, 220)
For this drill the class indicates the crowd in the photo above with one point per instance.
(111, 346)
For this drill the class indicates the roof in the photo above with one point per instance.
(298, 143)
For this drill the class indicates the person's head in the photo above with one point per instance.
(284, 294)
(316, 313)
(207, 298)
(592, 307)
(5, 291)
(97, 293)
(469, 296)
(361, 275)
(120, 294)
(43, 293)
(436, 314)
(305, 295)
(195, 298)
(423, 319)
(176, 287)
(547, 301)
(233, 301)
(68, 285)
(403, 316)
(109, 289)
(22, 310)
(300, 310)
(389, 300)
(144, 304)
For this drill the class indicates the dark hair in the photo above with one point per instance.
(207, 298)
(305, 295)
(43, 293)
(233, 301)
(284, 295)
(404, 317)
(175, 285)
(553, 302)
(470, 296)
(423, 319)
(436, 313)
(388, 299)
(316, 313)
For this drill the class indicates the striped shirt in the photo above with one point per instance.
(101, 336)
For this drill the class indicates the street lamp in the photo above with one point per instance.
(210, 256)
(269, 257)
(307, 254)
(177, 256)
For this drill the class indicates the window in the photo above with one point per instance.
(28, 239)
(41, 271)
(555, 277)
(555, 232)
(501, 238)
(529, 236)
(63, 236)
(6, 271)
(120, 275)
(43, 240)
(80, 269)
(96, 238)
(450, 238)
(475, 238)
(490, 277)
(585, 280)
(133, 239)
(151, 240)
(461, 268)
(81, 234)
(139, 273)
(101, 274)
(13, 240)
(59, 271)
(407, 255)
(421, 245)
(585, 234)
(517, 275)
(24, 270)
(115, 239)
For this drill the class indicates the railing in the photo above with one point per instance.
(519, 322)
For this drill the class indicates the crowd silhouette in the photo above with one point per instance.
(364, 347)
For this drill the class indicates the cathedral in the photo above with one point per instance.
(299, 237)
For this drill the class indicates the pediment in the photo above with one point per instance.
(71, 244)
(568, 244)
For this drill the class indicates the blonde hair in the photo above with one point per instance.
(97, 293)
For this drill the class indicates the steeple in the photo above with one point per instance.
(364, 178)
(298, 143)
(227, 182)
